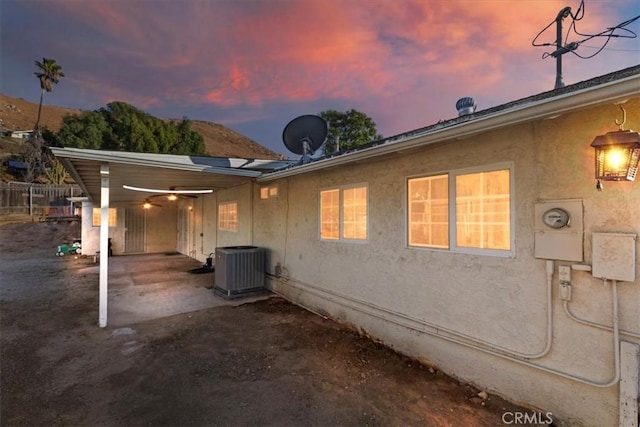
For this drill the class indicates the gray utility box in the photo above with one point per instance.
(239, 271)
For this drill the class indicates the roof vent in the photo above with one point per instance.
(466, 106)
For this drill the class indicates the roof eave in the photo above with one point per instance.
(97, 156)
(69, 166)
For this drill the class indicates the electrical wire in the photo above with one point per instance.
(609, 33)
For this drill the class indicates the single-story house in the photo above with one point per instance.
(22, 134)
(479, 244)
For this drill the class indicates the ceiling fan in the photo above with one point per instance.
(171, 194)
(146, 204)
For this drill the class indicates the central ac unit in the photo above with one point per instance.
(239, 271)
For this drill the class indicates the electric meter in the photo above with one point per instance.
(556, 218)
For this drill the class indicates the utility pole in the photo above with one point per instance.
(561, 50)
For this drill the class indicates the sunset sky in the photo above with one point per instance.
(254, 65)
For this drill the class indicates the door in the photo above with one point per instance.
(134, 230)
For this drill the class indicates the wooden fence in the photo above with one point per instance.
(37, 200)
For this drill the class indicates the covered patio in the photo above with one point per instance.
(106, 178)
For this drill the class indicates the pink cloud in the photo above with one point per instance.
(260, 52)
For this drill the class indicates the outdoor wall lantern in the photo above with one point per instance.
(617, 154)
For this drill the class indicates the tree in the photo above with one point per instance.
(49, 73)
(348, 130)
(55, 172)
(120, 126)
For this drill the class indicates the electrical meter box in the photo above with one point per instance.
(559, 230)
(614, 256)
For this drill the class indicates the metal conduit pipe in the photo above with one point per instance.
(426, 328)
(565, 305)
(440, 329)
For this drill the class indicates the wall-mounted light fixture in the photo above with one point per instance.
(617, 154)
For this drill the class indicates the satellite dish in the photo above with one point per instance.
(305, 134)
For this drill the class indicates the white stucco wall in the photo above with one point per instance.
(90, 234)
(392, 291)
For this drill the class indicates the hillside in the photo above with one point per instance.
(219, 141)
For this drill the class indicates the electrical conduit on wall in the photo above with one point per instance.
(565, 305)
(462, 339)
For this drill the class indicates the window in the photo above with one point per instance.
(463, 211)
(228, 216)
(429, 211)
(97, 215)
(483, 211)
(268, 192)
(343, 213)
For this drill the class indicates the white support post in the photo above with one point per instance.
(629, 377)
(104, 243)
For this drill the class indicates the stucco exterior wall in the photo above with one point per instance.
(160, 230)
(90, 235)
(409, 298)
(204, 234)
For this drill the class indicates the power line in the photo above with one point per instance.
(562, 47)
(611, 49)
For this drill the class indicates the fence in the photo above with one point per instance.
(41, 200)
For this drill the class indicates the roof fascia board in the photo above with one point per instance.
(546, 108)
(69, 166)
(109, 158)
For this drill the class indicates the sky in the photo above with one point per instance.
(255, 65)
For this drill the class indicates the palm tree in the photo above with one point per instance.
(49, 72)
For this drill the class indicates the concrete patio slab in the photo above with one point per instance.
(146, 287)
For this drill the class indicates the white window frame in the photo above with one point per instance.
(341, 189)
(220, 219)
(453, 247)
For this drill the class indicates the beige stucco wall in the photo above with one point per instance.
(391, 291)
(205, 236)
(161, 230)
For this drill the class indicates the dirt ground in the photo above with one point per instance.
(263, 363)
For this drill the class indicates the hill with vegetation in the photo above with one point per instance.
(219, 141)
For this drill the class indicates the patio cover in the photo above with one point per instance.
(160, 171)
(102, 174)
